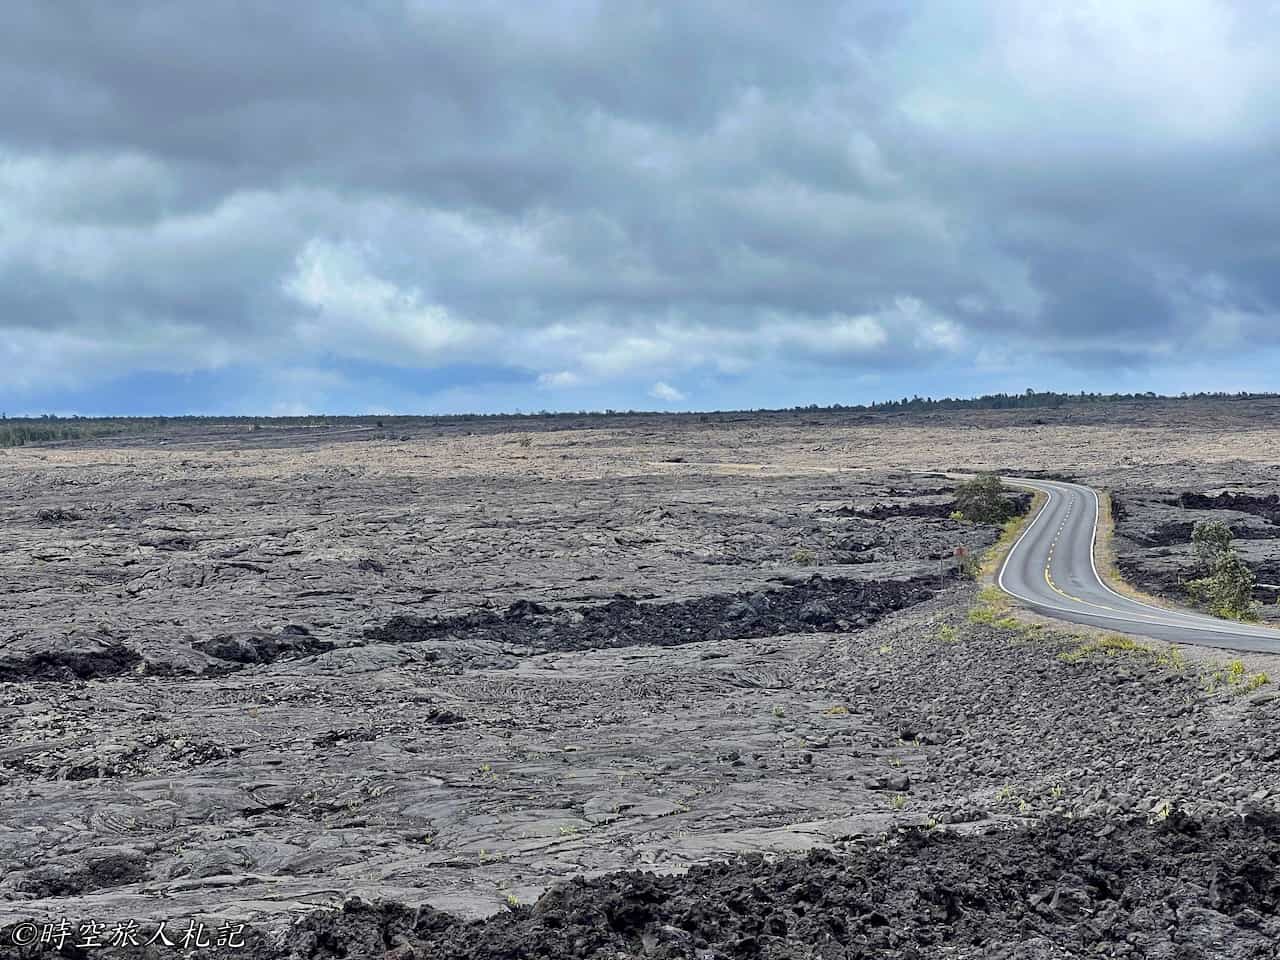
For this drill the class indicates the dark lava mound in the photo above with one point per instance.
(818, 604)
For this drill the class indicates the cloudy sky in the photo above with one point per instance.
(431, 206)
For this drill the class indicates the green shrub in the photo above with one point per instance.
(982, 500)
(1227, 591)
(1210, 539)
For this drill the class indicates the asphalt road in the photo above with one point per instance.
(1051, 569)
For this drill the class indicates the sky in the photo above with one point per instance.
(421, 206)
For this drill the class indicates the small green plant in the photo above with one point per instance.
(1173, 659)
(513, 902)
(947, 634)
(1236, 678)
(898, 801)
(778, 711)
(802, 557)
(1253, 682)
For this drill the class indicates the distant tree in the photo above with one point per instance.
(982, 500)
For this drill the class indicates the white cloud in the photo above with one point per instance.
(666, 393)
(360, 314)
(559, 380)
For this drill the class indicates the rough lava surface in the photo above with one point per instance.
(670, 687)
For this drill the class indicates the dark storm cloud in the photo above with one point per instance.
(596, 192)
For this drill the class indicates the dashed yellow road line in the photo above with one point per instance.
(1048, 573)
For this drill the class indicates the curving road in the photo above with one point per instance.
(1051, 568)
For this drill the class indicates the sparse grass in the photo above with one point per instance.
(981, 615)
(1026, 632)
(1234, 676)
(1116, 644)
(837, 710)
(994, 597)
(948, 634)
(802, 557)
(1113, 644)
(1173, 659)
(1253, 682)
(898, 801)
(992, 609)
